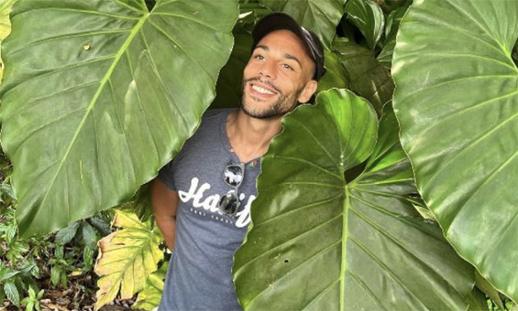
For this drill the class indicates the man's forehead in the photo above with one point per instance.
(286, 41)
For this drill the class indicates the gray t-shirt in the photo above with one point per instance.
(199, 276)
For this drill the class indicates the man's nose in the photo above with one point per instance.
(268, 70)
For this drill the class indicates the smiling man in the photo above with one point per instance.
(201, 200)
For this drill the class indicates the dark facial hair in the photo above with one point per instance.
(276, 109)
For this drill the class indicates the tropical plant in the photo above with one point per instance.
(127, 257)
(462, 136)
(357, 238)
(32, 302)
(117, 107)
(111, 65)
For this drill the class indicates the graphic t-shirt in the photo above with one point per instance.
(199, 275)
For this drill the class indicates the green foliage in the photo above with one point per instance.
(32, 302)
(25, 263)
(321, 16)
(85, 131)
(18, 257)
(368, 77)
(127, 257)
(349, 244)
(368, 17)
(457, 103)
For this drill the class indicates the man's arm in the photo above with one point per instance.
(165, 202)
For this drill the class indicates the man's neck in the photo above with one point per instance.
(249, 136)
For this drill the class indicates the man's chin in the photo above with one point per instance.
(260, 114)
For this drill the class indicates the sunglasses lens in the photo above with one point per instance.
(233, 175)
(228, 204)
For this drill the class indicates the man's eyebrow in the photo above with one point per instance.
(289, 56)
(286, 55)
(264, 47)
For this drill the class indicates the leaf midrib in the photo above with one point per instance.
(345, 228)
(92, 103)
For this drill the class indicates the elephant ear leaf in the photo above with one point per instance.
(456, 99)
(96, 101)
(321, 242)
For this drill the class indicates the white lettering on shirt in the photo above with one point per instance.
(210, 202)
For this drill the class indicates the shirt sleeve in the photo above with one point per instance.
(166, 175)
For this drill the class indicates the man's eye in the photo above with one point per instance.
(286, 66)
(259, 57)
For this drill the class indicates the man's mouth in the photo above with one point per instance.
(261, 91)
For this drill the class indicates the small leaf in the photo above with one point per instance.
(11, 292)
(66, 235)
(88, 258)
(90, 236)
(7, 273)
(55, 275)
(32, 293)
(30, 306)
(488, 289)
(368, 17)
(101, 223)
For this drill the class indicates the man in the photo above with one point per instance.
(202, 199)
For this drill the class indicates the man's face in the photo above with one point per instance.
(277, 76)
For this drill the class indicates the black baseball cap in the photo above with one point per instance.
(279, 21)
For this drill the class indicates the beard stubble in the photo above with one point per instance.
(280, 107)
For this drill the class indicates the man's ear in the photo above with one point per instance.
(308, 91)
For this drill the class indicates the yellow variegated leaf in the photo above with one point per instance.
(126, 258)
(149, 297)
(5, 25)
(127, 220)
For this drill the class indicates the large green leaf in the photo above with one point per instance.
(319, 16)
(319, 242)
(457, 102)
(96, 101)
(367, 76)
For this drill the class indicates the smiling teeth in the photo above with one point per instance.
(261, 90)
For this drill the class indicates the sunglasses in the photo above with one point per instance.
(233, 176)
